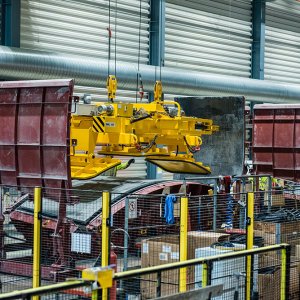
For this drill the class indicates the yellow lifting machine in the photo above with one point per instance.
(158, 131)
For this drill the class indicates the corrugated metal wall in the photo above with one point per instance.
(282, 47)
(209, 36)
(80, 28)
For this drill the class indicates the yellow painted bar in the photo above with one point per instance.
(95, 295)
(36, 272)
(196, 261)
(283, 275)
(105, 236)
(250, 237)
(47, 289)
(204, 275)
(183, 241)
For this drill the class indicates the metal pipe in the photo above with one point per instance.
(22, 64)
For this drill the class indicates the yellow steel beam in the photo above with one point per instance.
(250, 237)
(36, 272)
(183, 240)
(48, 289)
(105, 235)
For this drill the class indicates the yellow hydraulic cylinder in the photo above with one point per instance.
(36, 272)
(183, 240)
(158, 91)
(250, 238)
(111, 85)
(105, 235)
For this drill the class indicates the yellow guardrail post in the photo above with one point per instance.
(285, 272)
(250, 238)
(184, 202)
(283, 275)
(105, 236)
(36, 272)
(204, 275)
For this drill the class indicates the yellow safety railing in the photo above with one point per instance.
(206, 261)
(182, 264)
(48, 289)
(108, 274)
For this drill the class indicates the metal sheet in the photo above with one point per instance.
(34, 136)
(224, 150)
(178, 166)
(276, 140)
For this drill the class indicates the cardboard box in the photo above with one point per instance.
(278, 199)
(165, 249)
(269, 284)
(292, 238)
(159, 251)
(275, 228)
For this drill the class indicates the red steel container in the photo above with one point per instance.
(276, 140)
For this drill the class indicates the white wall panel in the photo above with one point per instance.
(282, 59)
(209, 36)
(80, 28)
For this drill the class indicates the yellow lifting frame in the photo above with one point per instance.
(36, 272)
(184, 201)
(111, 85)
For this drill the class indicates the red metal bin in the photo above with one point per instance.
(276, 140)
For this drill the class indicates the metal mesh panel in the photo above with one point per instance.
(277, 220)
(16, 241)
(145, 232)
(229, 273)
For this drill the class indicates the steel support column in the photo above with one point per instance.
(258, 35)
(157, 32)
(156, 52)
(10, 25)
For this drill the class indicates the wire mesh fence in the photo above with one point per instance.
(229, 273)
(145, 230)
(277, 220)
(16, 240)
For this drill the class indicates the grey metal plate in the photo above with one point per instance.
(200, 294)
(224, 150)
